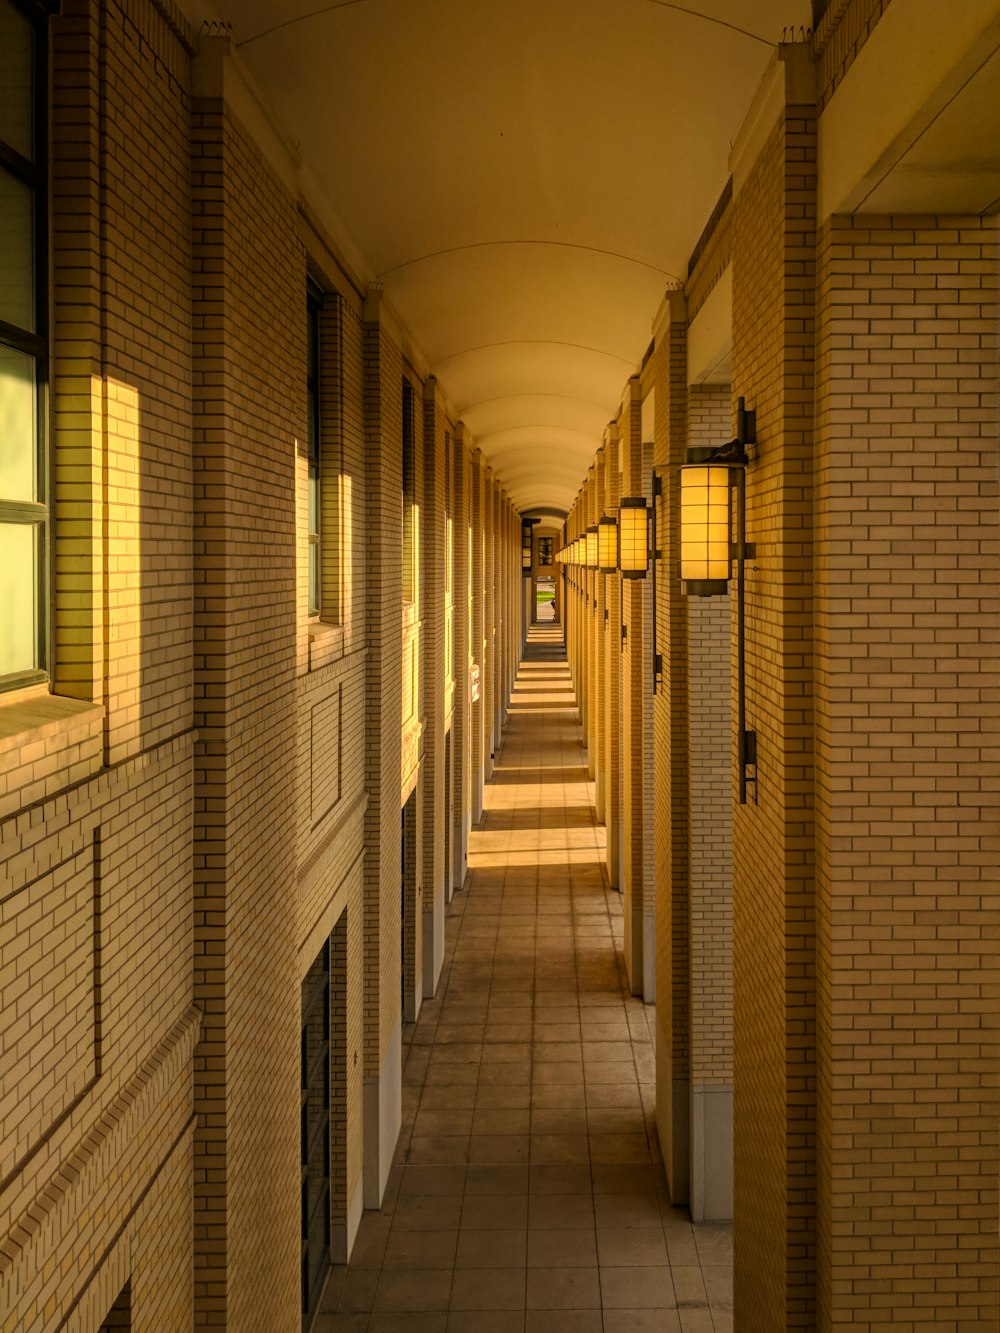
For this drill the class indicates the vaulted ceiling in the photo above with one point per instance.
(525, 178)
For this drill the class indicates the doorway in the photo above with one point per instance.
(545, 601)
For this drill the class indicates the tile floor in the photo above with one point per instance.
(527, 1194)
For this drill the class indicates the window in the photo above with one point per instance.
(409, 492)
(23, 347)
(315, 1131)
(314, 303)
(545, 550)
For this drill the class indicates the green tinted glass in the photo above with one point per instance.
(18, 451)
(18, 593)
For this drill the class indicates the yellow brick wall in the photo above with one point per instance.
(636, 717)
(434, 534)
(709, 636)
(773, 912)
(250, 347)
(667, 369)
(907, 609)
(612, 646)
(96, 877)
(383, 722)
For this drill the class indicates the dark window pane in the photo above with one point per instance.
(16, 93)
(17, 253)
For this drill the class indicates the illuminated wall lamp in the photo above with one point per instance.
(590, 548)
(633, 537)
(607, 546)
(705, 539)
(709, 482)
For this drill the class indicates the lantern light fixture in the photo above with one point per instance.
(712, 486)
(607, 546)
(705, 546)
(590, 545)
(633, 537)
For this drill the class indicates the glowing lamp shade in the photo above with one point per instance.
(590, 557)
(705, 541)
(607, 546)
(578, 546)
(633, 538)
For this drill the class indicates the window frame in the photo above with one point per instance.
(314, 452)
(34, 174)
(409, 490)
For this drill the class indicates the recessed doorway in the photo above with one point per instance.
(545, 601)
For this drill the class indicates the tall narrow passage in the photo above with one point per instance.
(527, 1194)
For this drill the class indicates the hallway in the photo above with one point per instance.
(524, 1197)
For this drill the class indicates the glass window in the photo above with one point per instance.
(23, 360)
(17, 47)
(409, 491)
(313, 452)
(315, 1135)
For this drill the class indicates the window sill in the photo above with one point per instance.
(38, 715)
(326, 643)
(47, 742)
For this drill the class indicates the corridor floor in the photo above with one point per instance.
(527, 1194)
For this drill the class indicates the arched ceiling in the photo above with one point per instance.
(525, 179)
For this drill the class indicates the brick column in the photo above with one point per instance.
(249, 356)
(590, 632)
(434, 532)
(489, 597)
(383, 724)
(612, 675)
(600, 654)
(773, 264)
(478, 655)
(634, 593)
(461, 780)
(709, 824)
(670, 765)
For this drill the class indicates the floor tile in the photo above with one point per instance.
(563, 1289)
(563, 1321)
(481, 1321)
(488, 1289)
(631, 1247)
(400, 1290)
(492, 1212)
(493, 1248)
(637, 1288)
(417, 1250)
(560, 1248)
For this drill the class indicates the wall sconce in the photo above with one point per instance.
(607, 546)
(591, 547)
(708, 549)
(633, 537)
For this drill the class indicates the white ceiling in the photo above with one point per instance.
(526, 178)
